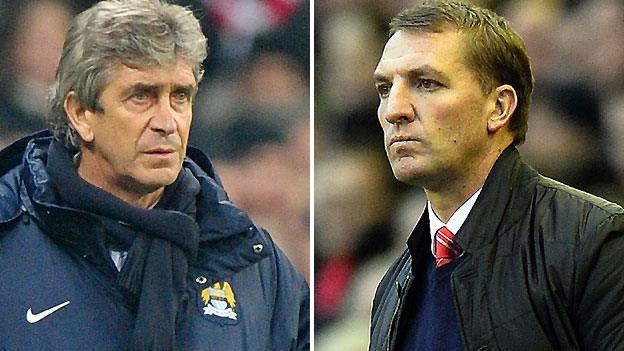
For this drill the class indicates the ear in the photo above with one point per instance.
(505, 106)
(79, 116)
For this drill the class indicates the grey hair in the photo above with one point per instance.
(136, 33)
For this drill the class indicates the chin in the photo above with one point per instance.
(408, 178)
(408, 172)
(159, 178)
(167, 179)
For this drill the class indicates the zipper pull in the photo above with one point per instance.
(25, 215)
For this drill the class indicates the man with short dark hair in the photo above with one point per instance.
(502, 258)
(114, 235)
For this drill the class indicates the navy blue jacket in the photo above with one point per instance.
(55, 294)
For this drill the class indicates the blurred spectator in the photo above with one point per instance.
(271, 181)
(251, 113)
(241, 23)
(33, 49)
(351, 226)
(575, 128)
(270, 91)
(613, 142)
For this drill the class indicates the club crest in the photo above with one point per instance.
(219, 301)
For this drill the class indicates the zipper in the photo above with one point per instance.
(455, 294)
(26, 215)
(393, 330)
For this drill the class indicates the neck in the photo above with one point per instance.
(140, 200)
(129, 194)
(446, 199)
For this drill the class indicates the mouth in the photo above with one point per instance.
(402, 139)
(160, 151)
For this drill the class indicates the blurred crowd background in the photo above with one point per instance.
(251, 115)
(363, 216)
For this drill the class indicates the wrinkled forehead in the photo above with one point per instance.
(153, 70)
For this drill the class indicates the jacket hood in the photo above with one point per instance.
(11, 167)
(25, 186)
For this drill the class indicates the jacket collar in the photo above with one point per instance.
(231, 241)
(10, 173)
(492, 214)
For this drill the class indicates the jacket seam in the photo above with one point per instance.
(561, 188)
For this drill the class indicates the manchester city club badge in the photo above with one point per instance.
(218, 303)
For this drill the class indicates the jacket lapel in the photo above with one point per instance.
(500, 205)
(493, 208)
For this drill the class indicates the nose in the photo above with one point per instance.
(399, 105)
(164, 119)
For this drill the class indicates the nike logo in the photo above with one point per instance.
(36, 317)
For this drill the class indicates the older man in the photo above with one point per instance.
(502, 258)
(114, 235)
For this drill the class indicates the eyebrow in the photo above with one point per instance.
(138, 87)
(426, 70)
(191, 88)
(380, 77)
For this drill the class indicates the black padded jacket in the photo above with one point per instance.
(544, 268)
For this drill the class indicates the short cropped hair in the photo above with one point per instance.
(136, 33)
(496, 53)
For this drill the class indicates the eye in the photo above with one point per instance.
(140, 97)
(181, 96)
(428, 84)
(383, 90)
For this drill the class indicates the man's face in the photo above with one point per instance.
(139, 140)
(432, 108)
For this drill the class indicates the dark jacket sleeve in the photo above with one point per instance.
(600, 284)
(291, 316)
(303, 339)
